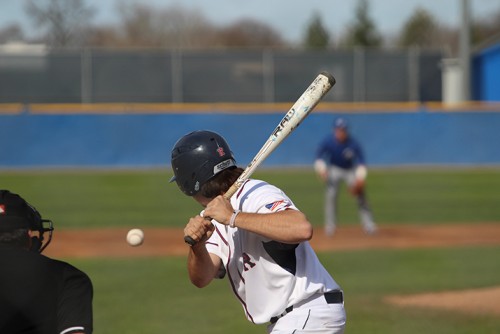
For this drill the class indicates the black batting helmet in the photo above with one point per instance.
(16, 213)
(197, 157)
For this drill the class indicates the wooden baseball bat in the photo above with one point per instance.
(295, 115)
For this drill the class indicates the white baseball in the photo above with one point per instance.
(135, 237)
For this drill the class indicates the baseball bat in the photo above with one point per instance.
(292, 119)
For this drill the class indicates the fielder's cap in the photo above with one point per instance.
(16, 213)
(340, 123)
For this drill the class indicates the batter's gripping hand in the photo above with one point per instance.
(198, 229)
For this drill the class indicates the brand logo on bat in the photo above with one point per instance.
(289, 115)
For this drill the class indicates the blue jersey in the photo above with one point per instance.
(345, 154)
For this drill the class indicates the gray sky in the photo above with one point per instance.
(290, 18)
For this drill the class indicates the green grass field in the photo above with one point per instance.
(154, 295)
(146, 198)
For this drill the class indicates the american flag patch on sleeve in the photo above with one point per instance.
(278, 205)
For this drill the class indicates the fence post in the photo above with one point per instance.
(176, 76)
(268, 75)
(464, 49)
(359, 73)
(413, 74)
(86, 76)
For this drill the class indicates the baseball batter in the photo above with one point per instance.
(258, 240)
(339, 158)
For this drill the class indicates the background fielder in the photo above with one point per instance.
(339, 158)
(258, 239)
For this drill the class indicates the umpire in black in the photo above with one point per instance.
(38, 295)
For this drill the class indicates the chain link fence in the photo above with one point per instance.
(191, 76)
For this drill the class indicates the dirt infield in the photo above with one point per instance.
(166, 242)
(473, 301)
(110, 243)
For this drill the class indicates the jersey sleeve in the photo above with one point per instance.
(74, 313)
(265, 198)
(217, 244)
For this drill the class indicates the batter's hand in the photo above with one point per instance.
(219, 209)
(199, 229)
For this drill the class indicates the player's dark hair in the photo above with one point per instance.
(221, 182)
(18, 238)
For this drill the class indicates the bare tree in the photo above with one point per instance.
(65, 21)
(143, 25)
(486, 29)
(10, 33)
(104, 35)
(249, 33)
(187, 28)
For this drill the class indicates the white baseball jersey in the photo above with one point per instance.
(266, 276)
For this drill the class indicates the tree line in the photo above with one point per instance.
(68, 23)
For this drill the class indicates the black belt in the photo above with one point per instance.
(333, 297)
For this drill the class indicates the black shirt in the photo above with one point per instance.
(39, 295)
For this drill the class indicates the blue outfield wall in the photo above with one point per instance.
(486, 76)
(418, 137)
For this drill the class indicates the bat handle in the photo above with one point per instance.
(189, 240)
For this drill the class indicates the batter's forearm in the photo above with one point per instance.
(201, 266)
(289, 226)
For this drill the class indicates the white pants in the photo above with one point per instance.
(315, 317)
(336, 176)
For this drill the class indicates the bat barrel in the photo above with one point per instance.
(330, 77)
